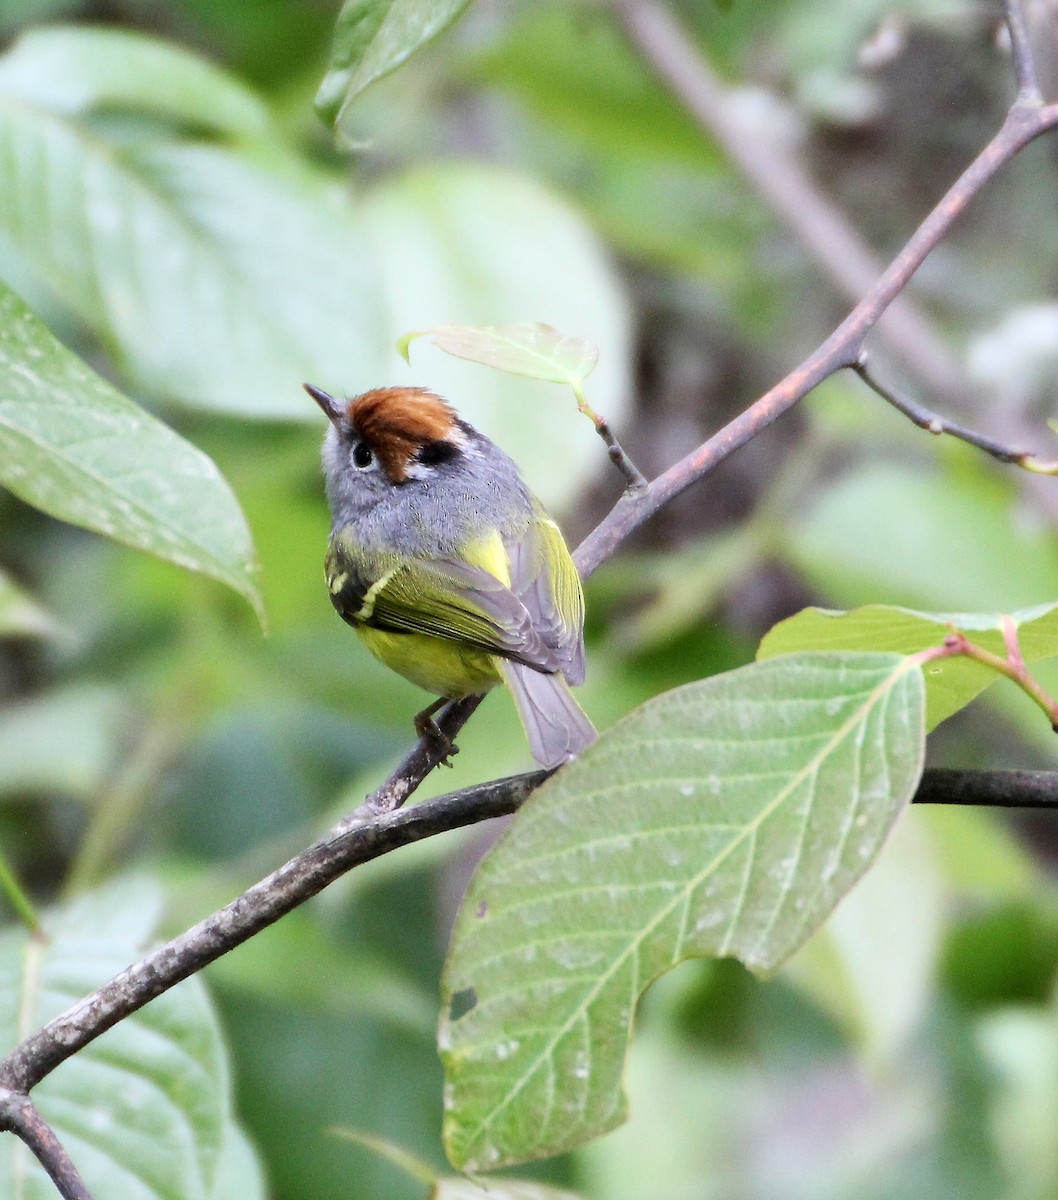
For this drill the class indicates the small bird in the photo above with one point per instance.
(448, 567)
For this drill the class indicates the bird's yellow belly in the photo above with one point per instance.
(440, 666)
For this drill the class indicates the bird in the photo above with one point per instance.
(448, 567)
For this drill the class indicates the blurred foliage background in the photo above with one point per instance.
(198, 238)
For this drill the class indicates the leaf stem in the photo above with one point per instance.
(635, 479)
(1012, 666)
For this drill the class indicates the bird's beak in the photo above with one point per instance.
(330, 406)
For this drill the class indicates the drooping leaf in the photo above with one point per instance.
(727, 817)
(951, 683)
(532, 349)
(79, 69)
(144, 1110)
(73, 446)
(373, 38)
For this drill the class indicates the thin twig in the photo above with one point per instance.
(18, 1114)
(932, 422)
(1021, 52)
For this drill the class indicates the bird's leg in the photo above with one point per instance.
(427, 727)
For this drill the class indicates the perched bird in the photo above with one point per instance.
(448, 567)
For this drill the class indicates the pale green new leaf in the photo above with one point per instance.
(951, 683)
(144, 1110)
(727, 817)
(80, 69)
(74, 447)
(373, 38)
(532, 349)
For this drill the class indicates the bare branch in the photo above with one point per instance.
(351, 842)
(841, 349)
(932, 423)
(18, 1114)
(992, 789)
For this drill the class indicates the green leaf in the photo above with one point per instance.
(951, 683)
(931, 541)
(218, 282)
(20, 614)
(74, 447)
(725, 818)
(144, 1110)
(75, 70)
(373, 38)
(532, 349)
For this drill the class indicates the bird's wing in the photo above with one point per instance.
(442, 597)
(545, 580)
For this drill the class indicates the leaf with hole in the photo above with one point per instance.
(727, 817)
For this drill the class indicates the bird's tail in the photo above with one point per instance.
(555, 724)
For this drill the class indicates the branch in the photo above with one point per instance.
(18, 1115)
(933, 423)
(351, 842)
(1021, 51)
(842, 349)
(991, 789)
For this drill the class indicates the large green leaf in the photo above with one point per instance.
(951, 683)
(76, 448)
(83, 69)
(372, 38)
(218, 281)
(145, 1109)
(727, 817)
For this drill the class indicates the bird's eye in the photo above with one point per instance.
(362, 456)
